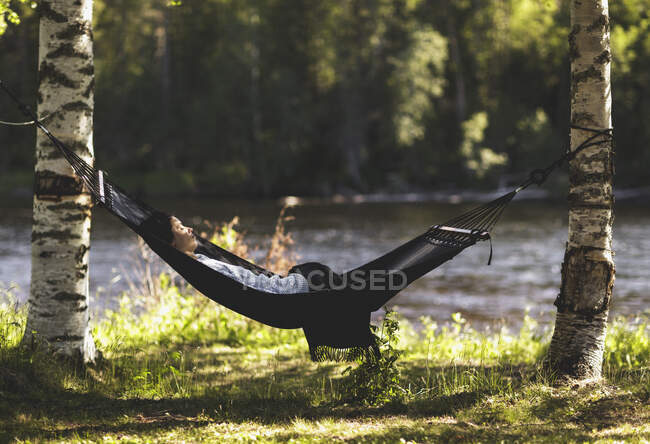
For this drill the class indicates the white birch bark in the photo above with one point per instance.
(59, 298)
(588, 269)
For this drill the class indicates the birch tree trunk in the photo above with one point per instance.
(59, 299)
(588, 269)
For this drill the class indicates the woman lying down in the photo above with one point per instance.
(182, 238)
(303, 278)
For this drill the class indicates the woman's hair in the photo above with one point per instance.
(318, 276)
(160, 225)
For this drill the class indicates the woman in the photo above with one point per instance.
(172, 230)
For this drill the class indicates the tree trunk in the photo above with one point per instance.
(588, 269)
(59, 299)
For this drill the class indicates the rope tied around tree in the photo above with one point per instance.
(476, 224)
(30, 122)
(598, 137)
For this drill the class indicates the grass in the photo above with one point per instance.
(182, 369)
(186, 371)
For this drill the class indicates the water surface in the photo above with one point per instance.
(524, 276)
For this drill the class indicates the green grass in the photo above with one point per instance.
(186, 370)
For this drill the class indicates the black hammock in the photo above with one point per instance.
(334, 315)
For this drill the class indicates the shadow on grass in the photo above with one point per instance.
(271, 389)
(80, 415)
(41, 406)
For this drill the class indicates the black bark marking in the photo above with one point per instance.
(87, 70)
(78, 217)
(45, 10)
(602, 155)
(48, 183)
(591, 196)
(66, 296)
(603, 58)
(580, 178)
(79, 255)
(47, 315)
(576, 201)
(75, 30)
(67, 50)
(582, 76)
(55, 234)
(69, 206)
(80, 148)
(50, 155)
(78, 106)
(49, 72)
(89, 90)
(584, 118)
(65, 338)
(573, 46)
(602, 23)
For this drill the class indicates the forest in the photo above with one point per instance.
(266, 98)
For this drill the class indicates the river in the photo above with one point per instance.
(524, 276)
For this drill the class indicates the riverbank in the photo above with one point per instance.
(17, 187)
(186, 370)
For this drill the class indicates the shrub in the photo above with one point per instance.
(377, 380)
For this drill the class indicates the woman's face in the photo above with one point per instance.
(184, 239)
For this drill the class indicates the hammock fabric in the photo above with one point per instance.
(334, 317)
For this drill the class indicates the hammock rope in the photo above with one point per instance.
(335, 319)
(31, 122)
(477, 223)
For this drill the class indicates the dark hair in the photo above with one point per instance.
(160, 225)
(318, 276)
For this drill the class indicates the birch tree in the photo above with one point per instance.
(588, 268)
(59, 299)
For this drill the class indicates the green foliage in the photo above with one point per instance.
(480, 159)
(239, 97)
(7, 14)
(12, 320)
(419, 80)
(376, 380)
(459, 342)
(628, 343)
(180, 316)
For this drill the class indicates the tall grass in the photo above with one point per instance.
(12, 320)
